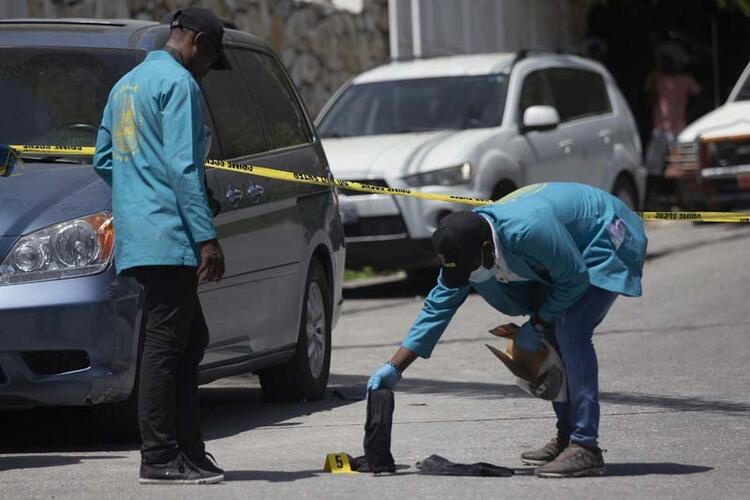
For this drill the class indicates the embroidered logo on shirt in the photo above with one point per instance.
(616, 230)
(124, 135)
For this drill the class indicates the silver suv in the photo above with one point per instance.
(472, 125)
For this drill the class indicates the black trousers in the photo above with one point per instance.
(175, 340)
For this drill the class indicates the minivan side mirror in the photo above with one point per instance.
(539, 118)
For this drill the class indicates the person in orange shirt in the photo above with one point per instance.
(670, 88)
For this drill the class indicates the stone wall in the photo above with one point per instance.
(321, 46)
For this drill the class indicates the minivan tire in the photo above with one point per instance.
(305, 376)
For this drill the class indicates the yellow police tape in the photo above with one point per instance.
(302, 178)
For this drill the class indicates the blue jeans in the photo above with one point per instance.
(578, 417)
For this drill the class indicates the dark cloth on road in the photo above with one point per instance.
(176, 337)
(436, 465)
(377, 442)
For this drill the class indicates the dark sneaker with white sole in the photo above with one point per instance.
(207, 462)
(547, 453)
(179, 470)
(575, 461)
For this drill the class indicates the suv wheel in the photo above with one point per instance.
(626, 192)
(305, 376)
(503, 188)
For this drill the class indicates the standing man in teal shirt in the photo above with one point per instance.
(584, 247)
(151, 149)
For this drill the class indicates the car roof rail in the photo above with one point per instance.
(526, 53)
(76, 22)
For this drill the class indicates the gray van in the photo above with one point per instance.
(69, 329)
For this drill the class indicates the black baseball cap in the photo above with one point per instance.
(203, 21)
(458, 242)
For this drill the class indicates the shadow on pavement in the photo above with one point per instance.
(701, 243)
(229, 410)
(272, 476)
(393, 289)
(663, 468)
(226, 410)
(484, 390)
(37, 461)
(54, 429)
(488, 338)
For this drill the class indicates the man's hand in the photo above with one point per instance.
(385, 376)
(212, 261)
(507, 331)
(528, 338)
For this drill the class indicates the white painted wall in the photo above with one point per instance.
(476, 26)
(13, 8)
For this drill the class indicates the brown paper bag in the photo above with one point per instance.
(523, 364)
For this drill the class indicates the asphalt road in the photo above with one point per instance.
(674, 391)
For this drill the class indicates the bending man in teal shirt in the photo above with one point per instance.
(585, 247)
(151, 150)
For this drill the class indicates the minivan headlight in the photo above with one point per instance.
(78, 247)
(450, 176)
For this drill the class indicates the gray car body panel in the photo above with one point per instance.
(253, 314)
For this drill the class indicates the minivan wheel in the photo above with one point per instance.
(305, 376)
(624, 190)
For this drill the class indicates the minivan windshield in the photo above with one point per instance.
(403, 106)
(56, 96)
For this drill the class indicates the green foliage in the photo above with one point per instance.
(742, 5)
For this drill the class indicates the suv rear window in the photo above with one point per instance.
(578, 93)
(57, 95)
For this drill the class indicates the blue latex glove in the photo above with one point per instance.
(385, 376)
(527, 338)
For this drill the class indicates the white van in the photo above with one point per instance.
(470, 125)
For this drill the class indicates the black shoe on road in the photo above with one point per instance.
(207, 462)
(179, 470)
(547, 453)
(575, 461)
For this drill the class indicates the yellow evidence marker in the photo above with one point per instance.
(338, 463)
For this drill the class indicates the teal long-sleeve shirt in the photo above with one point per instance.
(150, 150)
(514, 299)
(563, 236)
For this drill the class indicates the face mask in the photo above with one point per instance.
(482, 274)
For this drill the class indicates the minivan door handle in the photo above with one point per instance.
(234, 195)
(566, 145)
(255, 192)
(606, 135)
